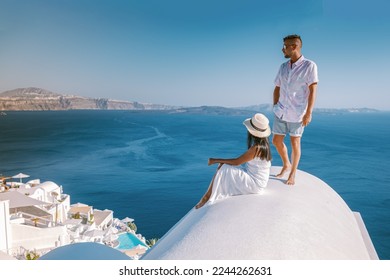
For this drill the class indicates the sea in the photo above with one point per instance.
(152, 165)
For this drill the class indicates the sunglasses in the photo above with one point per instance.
(286, 46)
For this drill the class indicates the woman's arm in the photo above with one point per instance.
(247, 156)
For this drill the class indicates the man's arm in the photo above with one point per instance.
(276, 94)
(310, 104)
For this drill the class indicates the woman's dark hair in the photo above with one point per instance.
(262, 145)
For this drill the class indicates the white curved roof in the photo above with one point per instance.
(48, 186)
(306, 221)
(85, 251)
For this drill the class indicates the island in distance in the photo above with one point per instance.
(38, 99)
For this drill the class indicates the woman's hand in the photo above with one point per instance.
(211, 161)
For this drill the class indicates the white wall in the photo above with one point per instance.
(5, 232)
(31, 237)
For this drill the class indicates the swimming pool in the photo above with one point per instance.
(128, 240)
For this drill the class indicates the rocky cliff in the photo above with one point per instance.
(37, 99)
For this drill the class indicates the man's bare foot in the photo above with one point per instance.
(284, 170)
(291, 179)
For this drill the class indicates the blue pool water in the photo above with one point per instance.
(128, 240)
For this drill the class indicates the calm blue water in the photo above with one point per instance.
(153, 166)
(128, 241)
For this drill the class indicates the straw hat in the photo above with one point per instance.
(258, 126)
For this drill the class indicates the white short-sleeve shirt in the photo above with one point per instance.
(294, 82)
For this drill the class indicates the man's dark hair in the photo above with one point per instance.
(293, 36)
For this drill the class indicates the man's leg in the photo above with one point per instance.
(278, 141)
(295, 157)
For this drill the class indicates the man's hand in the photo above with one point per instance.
(306, 119)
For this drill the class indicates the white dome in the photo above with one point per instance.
(48, 186)
(85, 251)
(306, 221)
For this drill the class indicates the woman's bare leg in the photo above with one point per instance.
(207, 195)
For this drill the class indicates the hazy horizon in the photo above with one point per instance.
(194, 53)
(184, 106)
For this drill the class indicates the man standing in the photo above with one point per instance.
(294, 96)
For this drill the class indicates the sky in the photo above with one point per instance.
(195, 52)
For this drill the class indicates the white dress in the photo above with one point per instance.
(250, 178)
